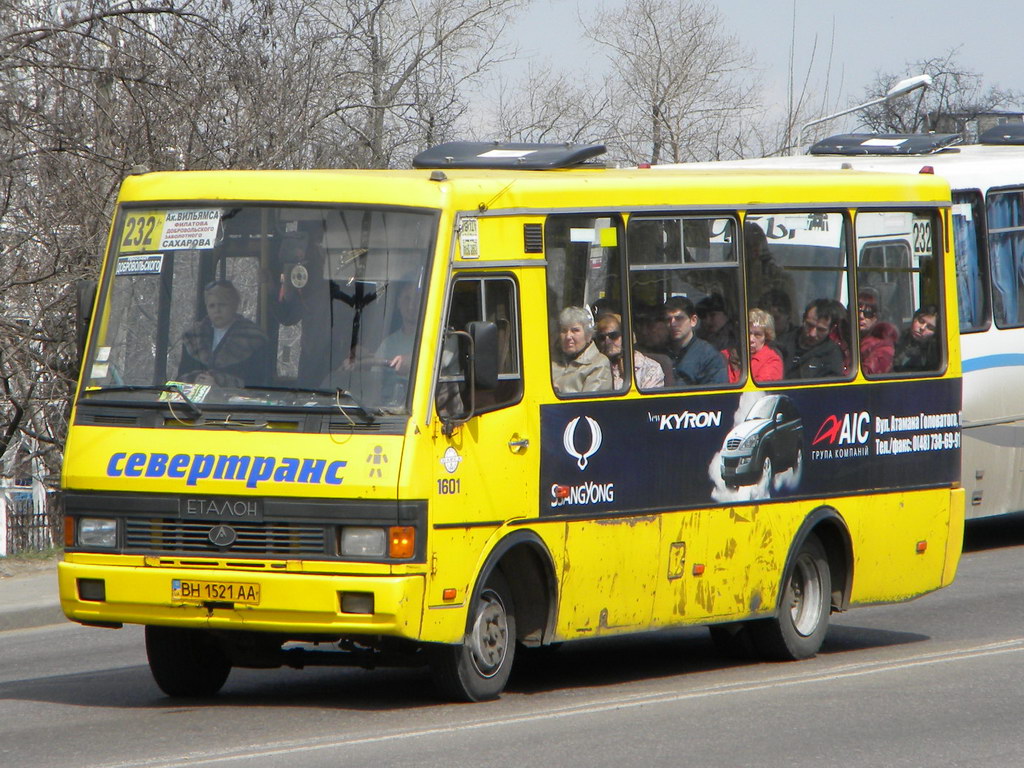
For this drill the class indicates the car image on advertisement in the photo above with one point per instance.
(769, 440)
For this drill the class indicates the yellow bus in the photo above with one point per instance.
(508, 398)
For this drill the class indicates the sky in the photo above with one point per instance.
(865, 37)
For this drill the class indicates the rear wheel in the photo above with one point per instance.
(478, 669)
(804, 606)
(186, 662)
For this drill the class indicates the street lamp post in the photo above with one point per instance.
(902, 87)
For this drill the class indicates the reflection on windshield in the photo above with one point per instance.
(257, 305)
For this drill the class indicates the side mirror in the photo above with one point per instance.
(779, 418)
(484, 353)
(86, 296)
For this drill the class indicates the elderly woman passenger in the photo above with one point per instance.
(649, 374)
(576, 364)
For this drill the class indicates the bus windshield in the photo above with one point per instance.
(248, 305)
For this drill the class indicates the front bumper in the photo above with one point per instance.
(740, 469)
(290, 603)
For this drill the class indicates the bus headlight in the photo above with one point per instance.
(363, 542)
(97, 532)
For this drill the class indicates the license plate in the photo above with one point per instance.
(183, 590)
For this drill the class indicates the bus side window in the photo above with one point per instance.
(684, 284)
(493, 299)
(898, 294)
(971, 260)
(584, 281)
(1006, 256)
(804, 286)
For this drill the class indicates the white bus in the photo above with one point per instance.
(987, 182)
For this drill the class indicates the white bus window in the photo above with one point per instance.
(971, 268)
(1006, 255)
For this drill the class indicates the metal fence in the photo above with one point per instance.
(29, 520)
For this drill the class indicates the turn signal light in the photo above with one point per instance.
(922, 546)
(403, 541)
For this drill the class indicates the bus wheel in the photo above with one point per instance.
(478, 669)
(186, 662)
(799, 629)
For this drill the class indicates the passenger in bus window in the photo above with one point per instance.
(839, 332)
(918, 347)
(695, 361)
(652, 337)
(577, 365)
(763, 273)
(877, 337)
(808, 352)
(765, 361)
(716, 327)
(608, 337)
(780, 307)
(224, 348)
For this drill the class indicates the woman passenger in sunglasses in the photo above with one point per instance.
(877, 337)
(649, 374)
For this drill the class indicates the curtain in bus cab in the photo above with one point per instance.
(1006, 249)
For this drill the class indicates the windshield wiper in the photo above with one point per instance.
(192, 407)
(367, 415)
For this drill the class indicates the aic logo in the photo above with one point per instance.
(569, 440)
(848, 429)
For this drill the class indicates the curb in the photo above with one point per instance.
(43, 615)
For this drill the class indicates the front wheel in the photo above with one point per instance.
(478, 669)
(804, 606)
(186, 662)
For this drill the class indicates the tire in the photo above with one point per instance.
(479, 668)
(805, 603)
(186, 662)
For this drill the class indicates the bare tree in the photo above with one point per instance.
(90, 89)
(406, 64)
(678, 80)
(955, 90)
(546, 105)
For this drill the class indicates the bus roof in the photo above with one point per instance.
(964, 166)
(706, 185)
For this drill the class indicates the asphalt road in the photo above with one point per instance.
(934, 682)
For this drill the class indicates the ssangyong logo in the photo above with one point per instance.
(581, 431)
(569, 440)
(846, 429)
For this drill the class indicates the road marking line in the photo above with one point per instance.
(282, 748)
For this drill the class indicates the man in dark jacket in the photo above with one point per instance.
(807, 351)
(694, 361)
(224, 348)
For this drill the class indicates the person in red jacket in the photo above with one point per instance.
(765, 361)
(877, 337)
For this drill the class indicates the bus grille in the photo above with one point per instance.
(168, 535)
